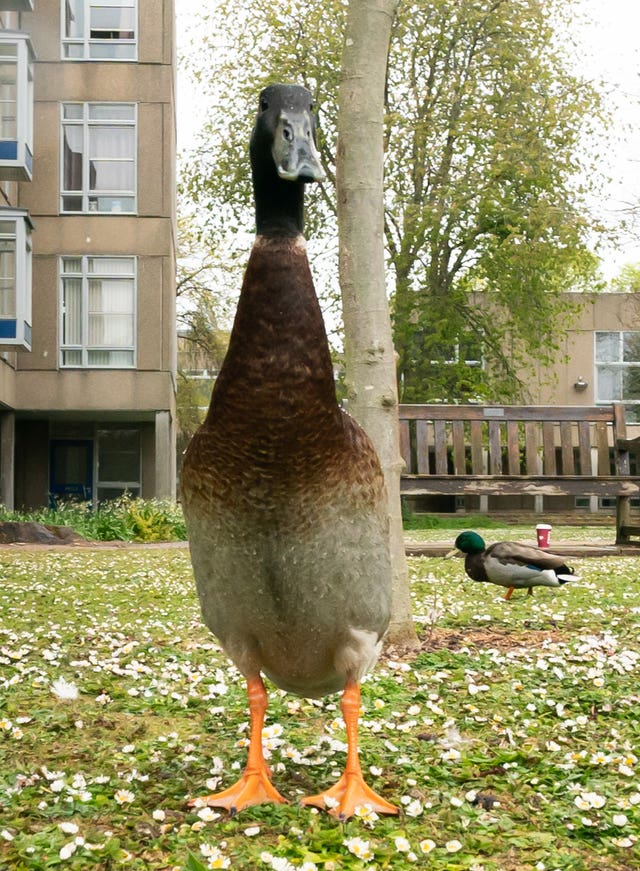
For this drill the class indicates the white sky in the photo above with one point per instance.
(611, 52)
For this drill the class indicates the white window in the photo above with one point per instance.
(16, 106)
(102, 30)
(15, 278)
(119, 463)
(98, 157)
(617, 357)
(98, 307)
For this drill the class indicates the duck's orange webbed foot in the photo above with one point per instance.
(350, 791)
(254, 787)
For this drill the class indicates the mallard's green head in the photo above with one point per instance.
(470, 542)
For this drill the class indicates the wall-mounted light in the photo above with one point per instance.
(580, 384)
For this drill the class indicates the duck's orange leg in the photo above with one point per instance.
(351, 790)
(254, 787)
(509, 593)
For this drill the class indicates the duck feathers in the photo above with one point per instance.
(284, 496)
(512, 564)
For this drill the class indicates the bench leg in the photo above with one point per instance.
(623, 513)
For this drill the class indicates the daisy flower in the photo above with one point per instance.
(402, 844)
(359, 848)
(366, 813)
(427, 845)
(65, 690)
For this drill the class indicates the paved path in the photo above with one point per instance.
(440, 548)
(412, 548)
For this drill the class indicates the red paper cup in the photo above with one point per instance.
(543, 533)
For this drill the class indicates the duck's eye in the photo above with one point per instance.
(264, 105)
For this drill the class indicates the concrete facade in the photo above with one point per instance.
(95, 420)
(574, 378)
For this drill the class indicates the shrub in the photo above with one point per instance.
(122, 519)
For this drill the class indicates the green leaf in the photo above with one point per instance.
(193, 864)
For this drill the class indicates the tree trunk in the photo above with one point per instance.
(369, 354)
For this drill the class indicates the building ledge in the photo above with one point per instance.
(94, 390)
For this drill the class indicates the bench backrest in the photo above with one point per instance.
(513, 440)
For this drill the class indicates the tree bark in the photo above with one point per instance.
(369, 353)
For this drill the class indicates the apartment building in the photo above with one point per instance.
(87, 250)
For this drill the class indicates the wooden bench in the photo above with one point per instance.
(510, 450)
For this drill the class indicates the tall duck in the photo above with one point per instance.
(282, 491)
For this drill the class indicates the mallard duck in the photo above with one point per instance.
(511, 564)
(283, 493)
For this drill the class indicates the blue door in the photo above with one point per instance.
(71, 469)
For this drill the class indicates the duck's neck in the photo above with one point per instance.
(279, 204)
(278, 363)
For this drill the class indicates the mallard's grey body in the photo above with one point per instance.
(511, 564)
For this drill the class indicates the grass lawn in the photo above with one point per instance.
(511, 740)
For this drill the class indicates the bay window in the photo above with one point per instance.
(98, 306)
(104, 30)
(16, 106)
(15, 278)
(98, 157)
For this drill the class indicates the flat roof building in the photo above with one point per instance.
(87, 250)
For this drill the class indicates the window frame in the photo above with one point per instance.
(620, 364)
(87, 42)
(15, 329)
(84, 346)
(86, 193)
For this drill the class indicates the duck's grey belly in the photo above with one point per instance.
(303, 595)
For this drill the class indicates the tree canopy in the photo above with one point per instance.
(487, 222)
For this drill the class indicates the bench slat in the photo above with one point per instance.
(584, 447)
(459, 452)
(440, 444)
(548, 448)
(405, 444)
(507, 412)
(566, 447)
(513, 447)
(477, 453)
(531, 444)
(495, 448)
(528, 485)
(602, 443)
(422, 446)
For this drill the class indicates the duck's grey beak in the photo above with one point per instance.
(294, 150)
(454, 552)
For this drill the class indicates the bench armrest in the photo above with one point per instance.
(628, 444)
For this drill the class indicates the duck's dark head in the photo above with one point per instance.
(469, 542)
(284, 158)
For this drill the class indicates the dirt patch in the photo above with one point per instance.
(481, 639)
